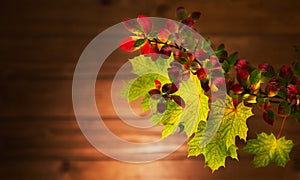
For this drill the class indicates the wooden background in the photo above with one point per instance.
(40, 44)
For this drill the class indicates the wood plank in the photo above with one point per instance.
(48, 17)
(40, 44)
(61, 138)
(179, 170)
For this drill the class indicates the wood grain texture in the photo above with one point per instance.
(166, 169)
(40, 44)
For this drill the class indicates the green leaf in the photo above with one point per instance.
(170, 118)
(190, 91)
(148, 71)
(194, 148)
(149, 103)
(215, 153)
(255, 76)
(181, 13)
(268, 149)
(142, 65)
(195, 15)
(297, 47)
(284, 109)
(221, 47)
(223, 143)
(232, 58)
(297, 116)
(234, 122)
(140, 86)
(226, 67)
(195, 110)
(139, 42)
(296, 67)
(268, 117)
(196, 101)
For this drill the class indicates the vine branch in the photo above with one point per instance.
(281, 128)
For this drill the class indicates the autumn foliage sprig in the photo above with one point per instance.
(275, 91)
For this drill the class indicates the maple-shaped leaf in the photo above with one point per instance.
(149, 71)
(234, 122)
(215, 153)
(144, 64)
(170, 119)
(196, 104)
(268, 149)
(196, 109)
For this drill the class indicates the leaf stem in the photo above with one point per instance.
(281, 128)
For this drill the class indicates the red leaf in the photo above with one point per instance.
(178, 100)
(268, 117)
(271, 90)
(266, 70)
(205, 85)
(132, 26)
(229, 82)
(169, 88)
(127, 44)
(181, 13)
(147, 49)
(237, 88)
(157, 84)
(154, 92)
(286, 72)
(201, 74)
(241, 64)
(242, 76)
(195, 15)
(292, 89)
(235, 101)
(166, 51)
(264, 103)
(188, 21)
(145, 22)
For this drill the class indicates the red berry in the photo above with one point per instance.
(201, 74)
(166, 51)
(237, 88)
(285, 72)
(292, 89)
(242, 76)
(241, 64)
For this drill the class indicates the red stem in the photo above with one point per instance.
(281, 128)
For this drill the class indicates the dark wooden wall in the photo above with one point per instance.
(40, 44)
